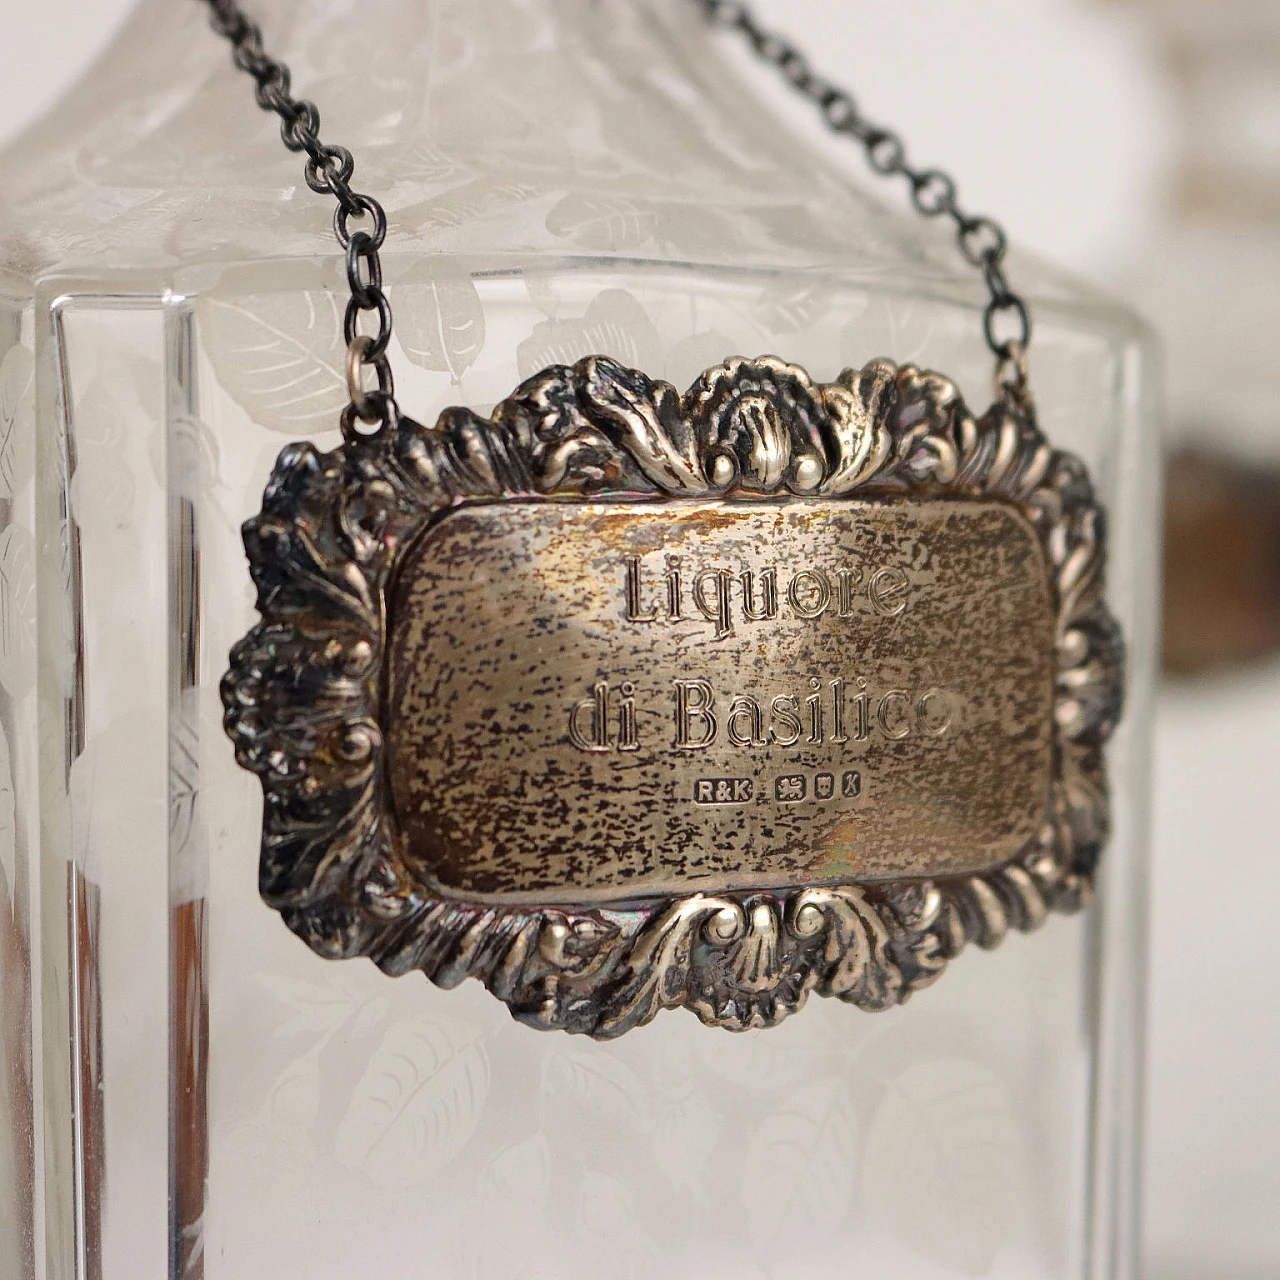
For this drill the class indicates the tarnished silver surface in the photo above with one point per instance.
(654, 698)
(514, 717)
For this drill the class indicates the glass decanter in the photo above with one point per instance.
(186, 1090)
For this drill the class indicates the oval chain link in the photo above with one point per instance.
(329, 169)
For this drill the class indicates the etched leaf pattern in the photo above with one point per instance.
(17, 610)
(904, 326)
(768, 1058)
(603, 1087)
(518, 1179)
(440, 316)
(606, 223)
(320, 1007)
(610, 1225)
(424, 1133)
(686, 1131)
(614, 324)
(520, 1173)
(790, 307)
(940, 1169)
(271, 1157)
(460, 206)
(802, 1159)
(280, 357)
(103, 485)
(423, 162)
(193, 723)
(17, 382)
(417, 1103)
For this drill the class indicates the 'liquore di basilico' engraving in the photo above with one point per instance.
(621, 700)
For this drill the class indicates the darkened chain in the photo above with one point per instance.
(329, 169)
(933, 193)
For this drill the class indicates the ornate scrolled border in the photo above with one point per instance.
(302, 693)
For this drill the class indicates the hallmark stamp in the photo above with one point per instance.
(791, 788)
(723, 791)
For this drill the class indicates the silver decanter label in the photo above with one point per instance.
(621, 700)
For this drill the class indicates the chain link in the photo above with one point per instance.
(328, 171)
(1006, 320)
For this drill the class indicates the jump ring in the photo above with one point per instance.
(387, 417)
(1012, 378)
(368, 405)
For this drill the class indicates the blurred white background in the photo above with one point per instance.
(1062, 117)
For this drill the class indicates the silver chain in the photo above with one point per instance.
(329, 169)
(982, 241)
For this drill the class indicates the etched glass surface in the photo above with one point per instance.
(210, 1098)
(17, 781)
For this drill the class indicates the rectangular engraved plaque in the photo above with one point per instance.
(606, 701)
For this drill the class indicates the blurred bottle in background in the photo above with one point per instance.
(1210, 284)
(1209, 280)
